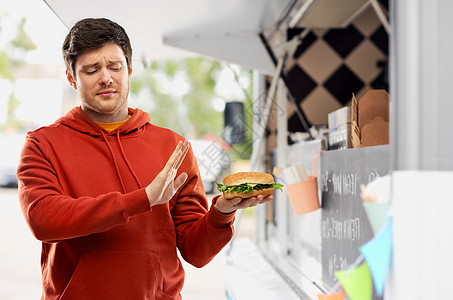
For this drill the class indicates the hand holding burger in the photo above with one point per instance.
(248, 184)
(245, 189)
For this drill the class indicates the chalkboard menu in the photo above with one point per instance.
(345, 226)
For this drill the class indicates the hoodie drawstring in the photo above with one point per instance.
(127, 161)
(114, 161)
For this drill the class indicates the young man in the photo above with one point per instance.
(111, 196)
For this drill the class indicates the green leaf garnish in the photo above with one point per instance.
(245, 187)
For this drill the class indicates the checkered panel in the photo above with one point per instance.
(385, 3)
(330, 65)
(342, 82)
(300, 84)
(343, 41)
(308, 41)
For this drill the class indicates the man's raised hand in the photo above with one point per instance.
(165, 186)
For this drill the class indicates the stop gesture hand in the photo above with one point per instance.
(165, 186)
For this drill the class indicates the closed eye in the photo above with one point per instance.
(90, 72)
(115, 67)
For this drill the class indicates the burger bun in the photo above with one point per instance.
(248, 177)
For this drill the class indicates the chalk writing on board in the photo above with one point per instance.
(324, 180)
(372, 176)
(337, 263)
(344, 184)
(341, 229)
(344, 223)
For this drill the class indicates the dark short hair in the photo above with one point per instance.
(91, 34)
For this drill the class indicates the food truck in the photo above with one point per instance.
(357, 93)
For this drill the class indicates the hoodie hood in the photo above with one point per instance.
(79, 121)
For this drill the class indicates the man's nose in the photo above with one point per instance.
(105, 78)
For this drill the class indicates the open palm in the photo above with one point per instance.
(165, 186)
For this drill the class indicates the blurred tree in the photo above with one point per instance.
(181, 95)
(178, 95)
(13, 56)
(23, 41)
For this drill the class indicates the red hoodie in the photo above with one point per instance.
(82, 192)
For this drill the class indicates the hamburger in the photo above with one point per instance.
(248, 184)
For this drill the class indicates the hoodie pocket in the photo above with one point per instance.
(116, 275)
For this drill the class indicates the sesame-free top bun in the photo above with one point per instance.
(248, 177)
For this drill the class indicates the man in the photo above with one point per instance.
(111, 196)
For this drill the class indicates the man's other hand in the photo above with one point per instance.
(227, 206)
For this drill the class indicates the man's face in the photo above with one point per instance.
(102, 81)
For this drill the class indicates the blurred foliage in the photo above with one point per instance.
(12, 56)
(13, 103)
(179, 94)
(23, 40)
(192, 113)
(6, 66)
